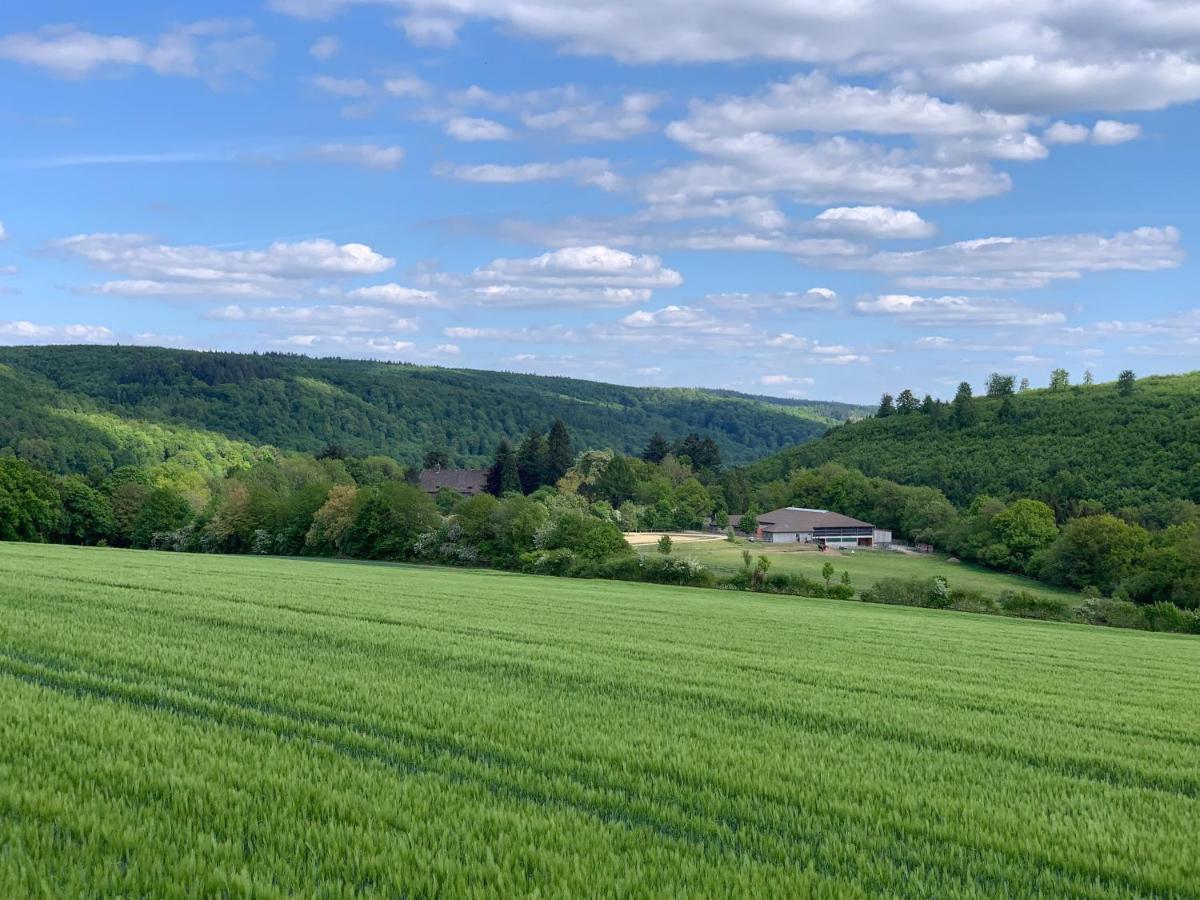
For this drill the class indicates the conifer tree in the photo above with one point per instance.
(560, 452)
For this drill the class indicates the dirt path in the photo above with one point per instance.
(638, 538)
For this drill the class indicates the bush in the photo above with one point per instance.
(1113, 613)
(674, 570)
(547, 562)
(586, 535)
(1033, 606)
(1164, 616)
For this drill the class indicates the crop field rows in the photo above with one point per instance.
(179, 724)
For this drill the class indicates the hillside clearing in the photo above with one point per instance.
(186, 724)
(866, 566)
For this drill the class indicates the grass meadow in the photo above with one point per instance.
(865, 566)
(177, 725)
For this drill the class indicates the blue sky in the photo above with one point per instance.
(777, 196)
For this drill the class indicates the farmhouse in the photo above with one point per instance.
(818, 526)
(467, 482)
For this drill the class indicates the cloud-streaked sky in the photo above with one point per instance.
(779, 196)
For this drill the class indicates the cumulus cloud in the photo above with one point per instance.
(215, 50)
(470, 128)
(407, 86)
(834, 168)
(26, 332)
(156, 269)
(572, 276)
(597, 121)
(1034, 84)
(1105, 131)
(339, 317)
(394, 295)
(1038, 260)
(956, 311)
(877, 222)
(366, 156)
(587, 171)
(354, 88)
(324, 48)
(430, 31)
(780, 302)
(813, 103)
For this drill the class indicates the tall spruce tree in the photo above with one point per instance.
(560, 453)
(962, 411)
(532, 462)
(887, 406)
(656, 448)
(503, 477)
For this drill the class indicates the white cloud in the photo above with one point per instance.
(776, 379)
(877, 222)
(407, 86)
(1066, 133)
(469, 128)
(355, 88)
(676, 324)
(448, 349)
(430, 31)
(1107, 131)
(338, 317)
(1034, 84)
(580, 266)
(588, 171)
(394, 295)
(813, 103)
(545, 334)
(25, 332)
(325, 48)
(156, 269)
(1030, 56)
(1039, 259)
(835, 168)
(788, 341)
(956, 311)
(366, 156)
(596, 121)
(3, 232)
(215, 50)
(759, 212)
(780, 302)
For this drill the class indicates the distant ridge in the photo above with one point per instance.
(72, 408)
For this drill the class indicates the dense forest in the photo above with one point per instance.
(1114, 446)
(75, 409)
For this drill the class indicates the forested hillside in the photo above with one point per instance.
(78, 408)
(1104, 446)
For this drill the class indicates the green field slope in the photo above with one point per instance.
(231, 726)
(866, 567)
(1063, 446)
(300, 403)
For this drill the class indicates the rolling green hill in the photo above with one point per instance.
(77, 408)
(1066, 447)
(233, 726)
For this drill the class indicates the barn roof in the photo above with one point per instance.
(797, 518)
(465, 481)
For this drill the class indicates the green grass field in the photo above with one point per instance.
(865, 566)
(177, 725)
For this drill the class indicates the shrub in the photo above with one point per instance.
(548, 562)
(1114, 613)
(1164, 616)
(1033, 606)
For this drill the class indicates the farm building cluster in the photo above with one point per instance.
(798, 524)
